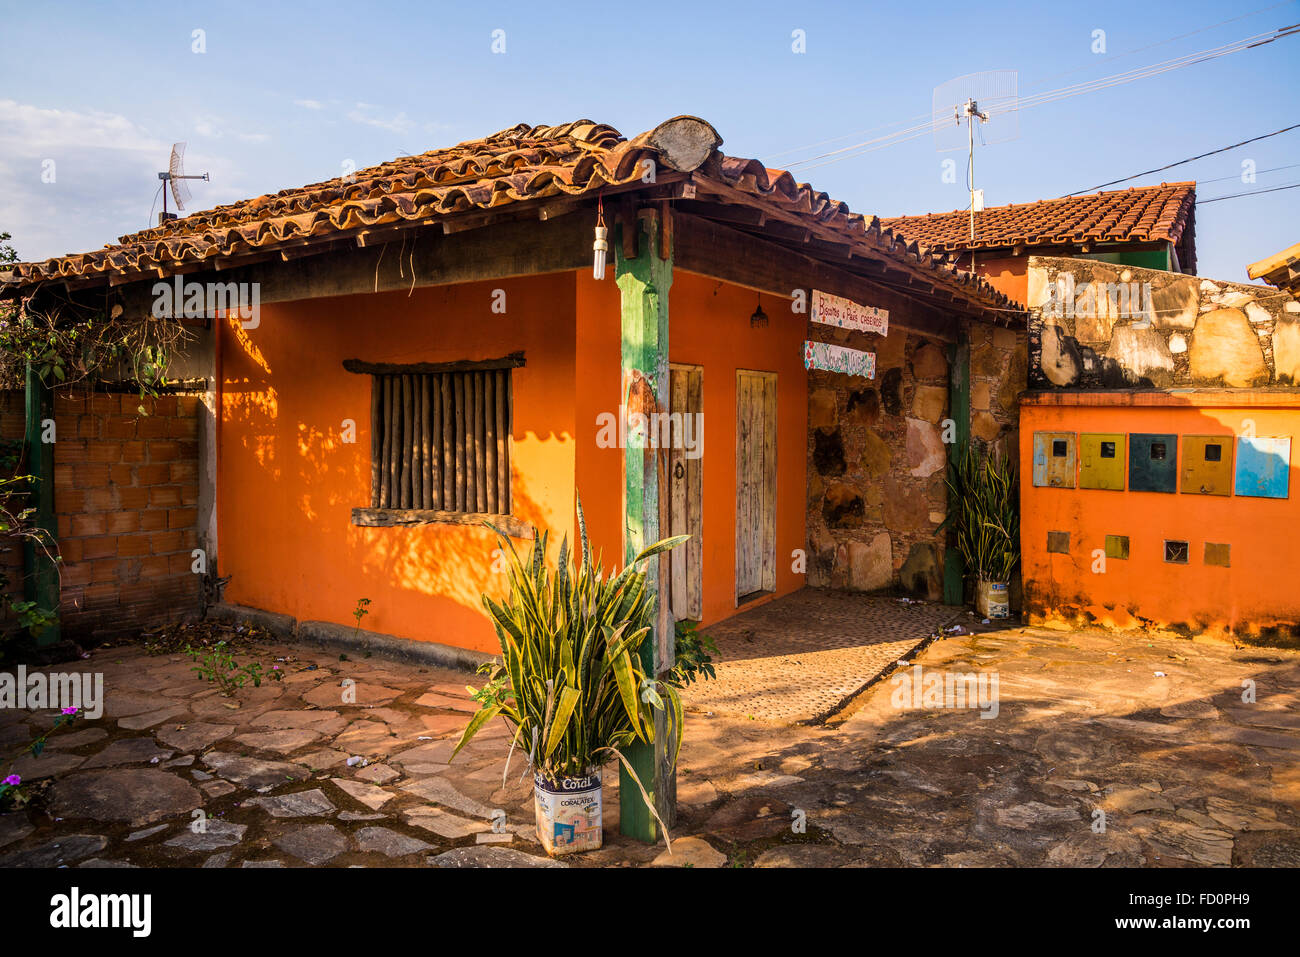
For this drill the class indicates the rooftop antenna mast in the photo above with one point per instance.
(989, 98)
(175, 179)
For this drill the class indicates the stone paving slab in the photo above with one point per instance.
(1153, 733)
(800, 657)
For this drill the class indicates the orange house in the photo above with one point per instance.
(1159, 482)
(1153, 227)
(430, 346)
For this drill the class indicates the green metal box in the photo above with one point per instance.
(1153, 462)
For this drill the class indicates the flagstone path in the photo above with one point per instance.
(1187, 753)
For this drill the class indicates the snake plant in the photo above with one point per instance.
(984, 510)
(570, 682)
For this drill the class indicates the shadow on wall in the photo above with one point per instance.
(291, 481)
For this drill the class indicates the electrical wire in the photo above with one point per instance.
(1258, 172)
(1251, 192)
(1118, 56)
(1051, 96)
(154, 204)
(1182, 162)
(1160, 43)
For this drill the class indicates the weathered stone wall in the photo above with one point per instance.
(999, 363)
(1188, 332)
(876, 456)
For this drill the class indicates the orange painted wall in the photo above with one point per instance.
(1009, 275)
(289, 482)
(1258, 591)
(708, 326)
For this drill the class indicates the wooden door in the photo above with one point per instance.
(755, 484)
(686, 492)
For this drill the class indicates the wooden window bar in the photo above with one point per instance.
(440, 435)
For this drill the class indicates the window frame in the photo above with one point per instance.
(454, 456)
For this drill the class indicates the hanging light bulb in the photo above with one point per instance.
(759, 318)
(601, 246)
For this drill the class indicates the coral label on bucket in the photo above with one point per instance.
(568, 813)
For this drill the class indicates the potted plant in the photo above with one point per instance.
(570, 683)
(984, 513)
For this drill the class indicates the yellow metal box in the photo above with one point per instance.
(1207, 465)
(1101, 460)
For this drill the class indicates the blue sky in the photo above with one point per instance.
(285, 94)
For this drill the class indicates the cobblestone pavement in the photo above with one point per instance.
(1153, 733)
(798, 658)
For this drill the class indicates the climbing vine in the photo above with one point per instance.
(67, 343)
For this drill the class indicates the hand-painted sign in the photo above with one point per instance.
(823, 355)
(847, 314)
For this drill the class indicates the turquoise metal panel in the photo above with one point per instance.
(1263, 467)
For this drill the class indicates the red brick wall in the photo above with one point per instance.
(126, 489)
(11, 550)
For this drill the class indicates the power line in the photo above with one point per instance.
(1259, 172)
(1160, 43)
(1190, 159)
(1251, 192)
(1040, 82)
(915, 132)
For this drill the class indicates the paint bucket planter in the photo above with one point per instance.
(568, 813)
(991, 599)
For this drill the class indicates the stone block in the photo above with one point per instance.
(1225, 346)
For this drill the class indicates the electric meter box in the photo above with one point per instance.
(1101, 460)
(1152, 462)
(1207, 464)
(1055, 455)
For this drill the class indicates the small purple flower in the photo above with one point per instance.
(70, 710)
(13, 780)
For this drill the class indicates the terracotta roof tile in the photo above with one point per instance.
(518, 164)
(1140, 214)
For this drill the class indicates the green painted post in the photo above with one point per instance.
(41, 581)
(954, 570)
(643, 282)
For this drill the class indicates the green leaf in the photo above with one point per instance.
(560, 721)
(475, 723)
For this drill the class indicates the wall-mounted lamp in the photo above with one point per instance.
(600, 248)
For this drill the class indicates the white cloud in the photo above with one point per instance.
(369, 115)
(309, 104)
(105, 178)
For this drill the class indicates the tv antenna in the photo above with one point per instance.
(175, 179)
(989, 98)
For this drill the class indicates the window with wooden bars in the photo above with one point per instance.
(440, 441)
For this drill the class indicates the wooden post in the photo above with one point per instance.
(954, 570)
(41, 581)
(644, 271)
